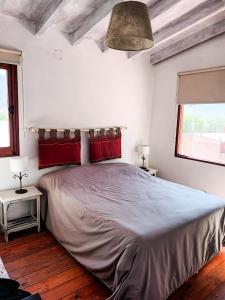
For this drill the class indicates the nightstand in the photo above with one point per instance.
(8, 198)
(152, 171)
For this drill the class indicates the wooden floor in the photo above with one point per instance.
(41, 265)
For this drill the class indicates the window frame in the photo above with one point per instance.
(13, 149)
(180, 112)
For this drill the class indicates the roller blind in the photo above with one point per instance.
(10, 56)
(205, 86)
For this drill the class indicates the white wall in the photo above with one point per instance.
(84, 89)
(90, 89)
(199, 175)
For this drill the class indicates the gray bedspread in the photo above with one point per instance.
(142, 236)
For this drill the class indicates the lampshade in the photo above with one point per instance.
(143, 149)
(18, 164)
(130, 27)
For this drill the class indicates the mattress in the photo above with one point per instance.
(141, 236)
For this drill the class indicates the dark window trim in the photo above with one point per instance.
(13, 149)
(178, 137)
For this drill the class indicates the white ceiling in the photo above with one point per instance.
(172, 20)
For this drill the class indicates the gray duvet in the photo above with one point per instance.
(142, 236)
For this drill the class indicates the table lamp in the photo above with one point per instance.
(19, 165)
(143, 151)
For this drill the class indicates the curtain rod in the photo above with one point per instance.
(35, 129)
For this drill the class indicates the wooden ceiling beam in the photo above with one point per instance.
(46, 17)
(212, 26)
(89, 21)
(44, 13)
(158, 7)
(184, 21)
(33, 14)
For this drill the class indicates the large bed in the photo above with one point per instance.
(141, 236)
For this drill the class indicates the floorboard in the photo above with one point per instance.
(42, 265)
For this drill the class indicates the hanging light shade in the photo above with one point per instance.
(130, 27)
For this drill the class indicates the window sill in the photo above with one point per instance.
(199, 160)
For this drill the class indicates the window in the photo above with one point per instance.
(9, 129)
(201, 132)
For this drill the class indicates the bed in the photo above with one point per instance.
(141, 236)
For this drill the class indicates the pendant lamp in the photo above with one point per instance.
(130, 27)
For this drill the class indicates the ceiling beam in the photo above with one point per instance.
(212, 26)
(33, 14)
(89, 21)
(157, 7)
(44, 12)
(201, 11)
(184, 21)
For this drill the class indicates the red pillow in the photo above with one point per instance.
(105, 146)
(58, 151)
